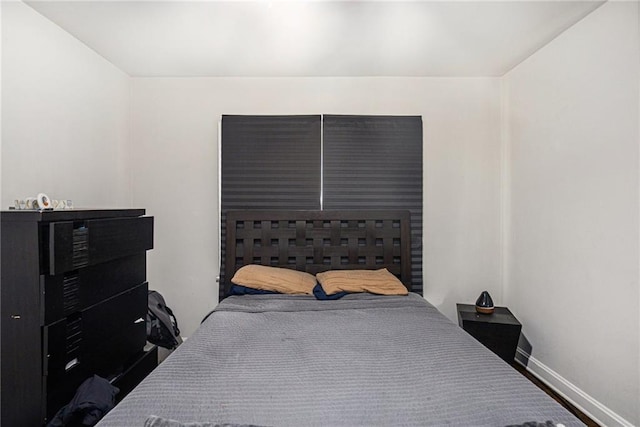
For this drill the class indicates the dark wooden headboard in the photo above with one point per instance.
(315, 241)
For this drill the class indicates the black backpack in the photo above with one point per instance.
(162, 326)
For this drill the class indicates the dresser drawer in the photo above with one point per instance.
(76, 244)
(98, 340)
(76, 290)
(136, 371)
(122, 315)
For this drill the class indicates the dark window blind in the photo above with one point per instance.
(375, 162)
(269, 162)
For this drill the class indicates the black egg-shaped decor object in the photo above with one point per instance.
(484, 303)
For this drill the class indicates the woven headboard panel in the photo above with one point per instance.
(315, 241)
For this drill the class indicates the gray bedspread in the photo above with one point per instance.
(364, 360)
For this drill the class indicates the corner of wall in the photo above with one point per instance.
(128, 161)
(1, 7)
(505, 188)
(638, 136)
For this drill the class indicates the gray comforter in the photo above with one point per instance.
(364, 360)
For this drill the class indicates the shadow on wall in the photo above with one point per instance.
(523, 351)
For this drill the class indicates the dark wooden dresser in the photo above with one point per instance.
(73, 298)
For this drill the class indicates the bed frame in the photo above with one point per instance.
(316, 241)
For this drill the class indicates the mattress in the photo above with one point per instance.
(363, 360)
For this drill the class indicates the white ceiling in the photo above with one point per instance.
(315, 38)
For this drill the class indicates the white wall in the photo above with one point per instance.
(543, 162)
(65, 116)
(175, 173)
(573, 254)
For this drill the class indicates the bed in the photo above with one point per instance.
(361, 360)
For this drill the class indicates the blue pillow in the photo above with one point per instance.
(245, 290)
(320, 294)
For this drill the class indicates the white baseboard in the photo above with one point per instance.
(578, 398)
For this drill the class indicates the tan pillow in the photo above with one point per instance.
(374, 281)
(275, 279)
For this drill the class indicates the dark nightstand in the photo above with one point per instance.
(499, 332)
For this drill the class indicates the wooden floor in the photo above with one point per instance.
(575, 411)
